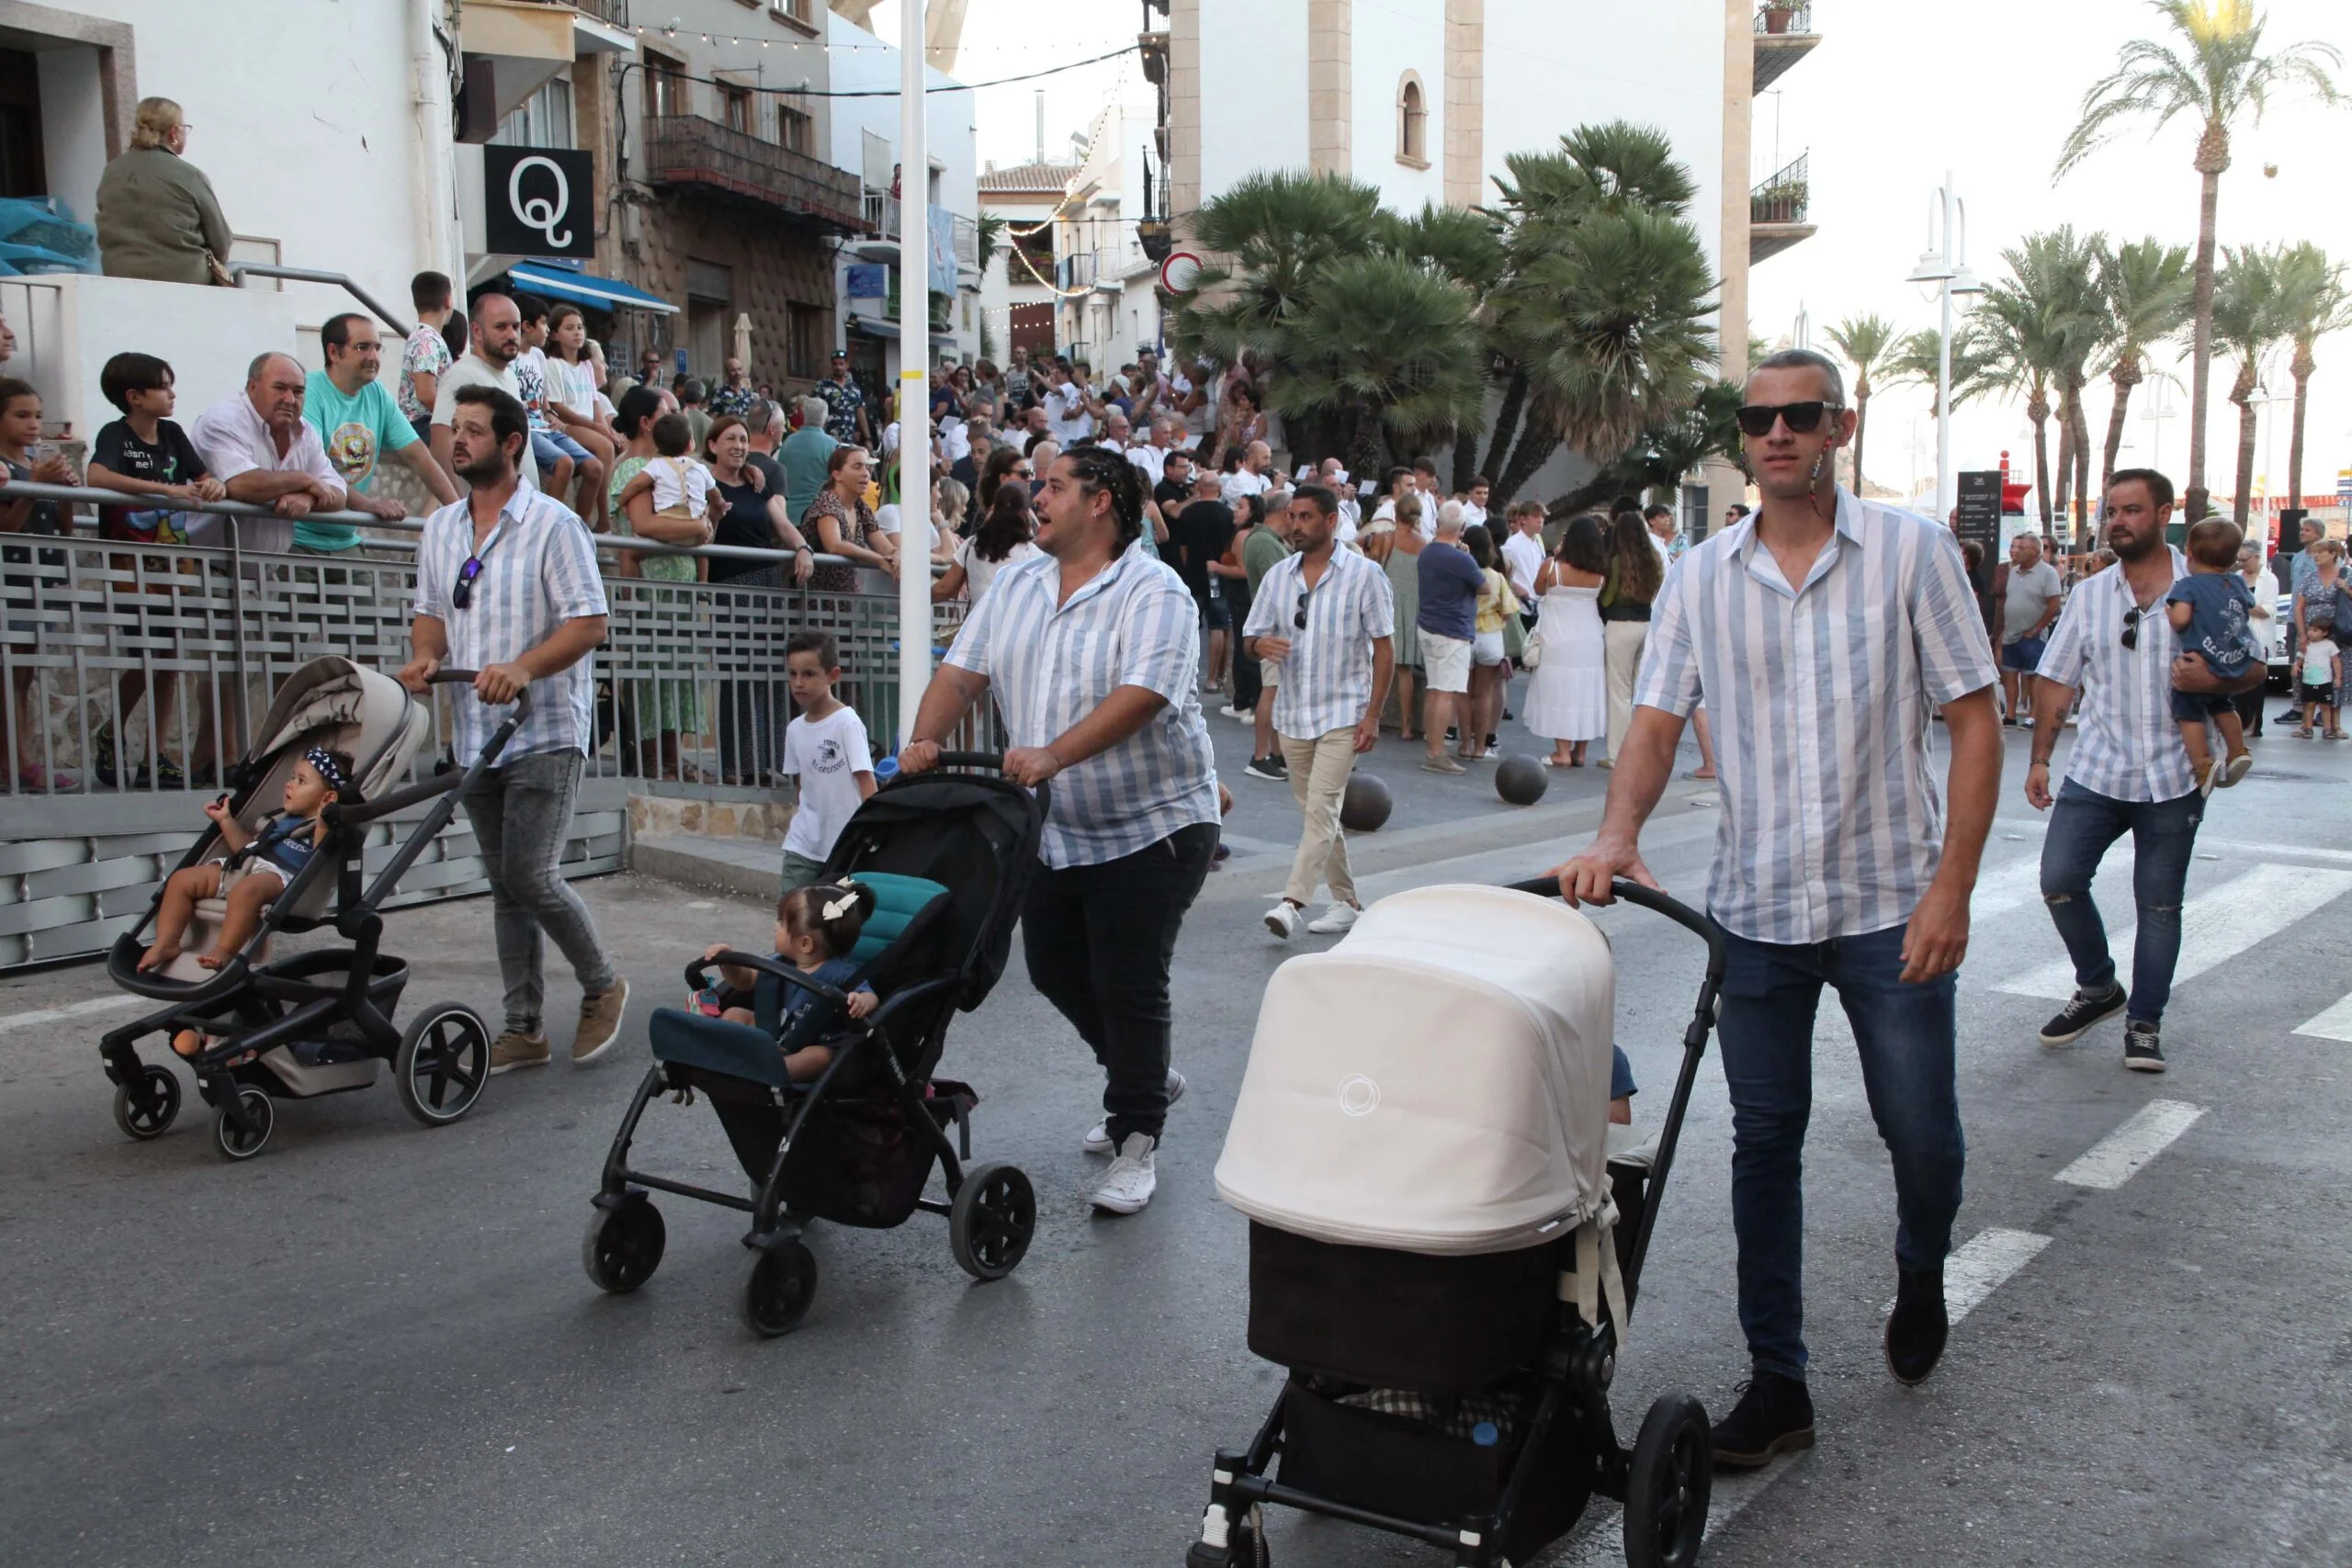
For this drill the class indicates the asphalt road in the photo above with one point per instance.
(375, 1345)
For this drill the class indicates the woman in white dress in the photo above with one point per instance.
(1568, 702)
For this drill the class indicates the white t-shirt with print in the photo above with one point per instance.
(825, 754)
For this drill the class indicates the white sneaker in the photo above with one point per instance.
(1229, 711)
(1098, 1137)
(1333, 921)
(1127, 1185)
(1283, 919)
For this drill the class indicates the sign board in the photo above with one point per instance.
(538, 201)
(865, 281)
(1980, 519)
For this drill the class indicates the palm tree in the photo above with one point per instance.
(2316, 301)
(2146, 286)
(2250, 318)
(2213, 68)
(1275, 233)
(1386, 347)
(2040, 325)
(1914, 360)
(1869, 343)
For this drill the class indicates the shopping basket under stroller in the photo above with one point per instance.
(1444, 1247)
(948, 856)
(319, 1022)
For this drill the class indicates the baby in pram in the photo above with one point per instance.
(257, 867)
(816, 926)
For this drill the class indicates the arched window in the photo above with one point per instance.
(1412, 123)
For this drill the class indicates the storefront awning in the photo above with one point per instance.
(604, 293)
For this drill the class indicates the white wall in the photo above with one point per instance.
(1403, 35)
(300, 116)
(1253, 88)
(72, 127)
(208, 335)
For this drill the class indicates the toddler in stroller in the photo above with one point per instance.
(816, 927)
(257, 865)
(1446, 1232)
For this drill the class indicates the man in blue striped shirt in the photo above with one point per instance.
(1092, 650)
(1822, 631)
(1326, 617)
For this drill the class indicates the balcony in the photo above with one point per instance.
(879, 211)
(691, 153)
(1776, 211)
(1784, 35)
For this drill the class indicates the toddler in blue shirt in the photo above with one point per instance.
(816, 926)
(2209, 611)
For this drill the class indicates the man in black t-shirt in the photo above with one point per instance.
(1174, 490)
(1202, 532)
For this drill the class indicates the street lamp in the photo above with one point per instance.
(1945, 264)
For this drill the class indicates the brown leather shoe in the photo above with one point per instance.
(513, 1049)
(600, 1022)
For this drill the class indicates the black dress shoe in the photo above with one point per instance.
(1773, 1416)
(1919, 1326)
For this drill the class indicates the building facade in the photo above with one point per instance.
(1019, 291)
(1108, 307)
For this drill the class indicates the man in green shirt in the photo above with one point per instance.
(358, 422)
(803, 454)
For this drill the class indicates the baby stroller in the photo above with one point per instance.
(948, 856)
(1443, 1242)
(321, 1021)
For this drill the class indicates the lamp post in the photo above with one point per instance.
(914, 365)
(1945, 264)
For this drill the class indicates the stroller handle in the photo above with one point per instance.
(993, 760)
(446, 676)
(1650, 898)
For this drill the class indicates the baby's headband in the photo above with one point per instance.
(328, 769)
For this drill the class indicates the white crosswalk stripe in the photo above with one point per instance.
(2114, 1159)
(2216, 926)
(2336, 1023)
(1980, 1266)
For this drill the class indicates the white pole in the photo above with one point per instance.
(914, 362)
(1944, 496)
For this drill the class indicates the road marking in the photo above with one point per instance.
(2336, 1023)
(72, 1009)
(1983, 1265)
(1601, 1543)
(2113, 1159)
(2215, 927)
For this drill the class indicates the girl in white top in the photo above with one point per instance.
(1003, 537)
(682, 488)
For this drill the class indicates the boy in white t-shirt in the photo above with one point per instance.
(825, 749)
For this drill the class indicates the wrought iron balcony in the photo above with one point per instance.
(1777, 209)
(690, 152)
(1784, 35)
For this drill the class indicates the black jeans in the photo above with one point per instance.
(1247, 685)
(1099, 939)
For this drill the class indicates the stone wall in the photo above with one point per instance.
(776, 261)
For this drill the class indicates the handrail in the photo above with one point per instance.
(86, 495)
(304, 275)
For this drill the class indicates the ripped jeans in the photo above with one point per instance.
(2083, 823)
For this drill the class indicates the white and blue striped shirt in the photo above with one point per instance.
(1821, 697)
(1050, 664)
(1327, 679)
(538, 570)
(2126, 745)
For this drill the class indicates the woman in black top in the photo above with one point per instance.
(751, 712)
(1635, 574)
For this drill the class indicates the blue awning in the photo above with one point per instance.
(604, 293)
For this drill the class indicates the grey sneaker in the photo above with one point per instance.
(514, 1049)
(600, 1021)
(1127, 1185)
(1098, 1137)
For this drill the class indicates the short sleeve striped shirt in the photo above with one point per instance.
(1050, 664)
(1821, 697)
(2126, 745)
(1326, 680)
(538, 570)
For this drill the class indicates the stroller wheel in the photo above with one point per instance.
(1245, 1547)
(443, 1060)
(624, 1244)
(239, 1141)
(783, 1283)
(143, 1110)
(989, 1224)
(1668, 1486)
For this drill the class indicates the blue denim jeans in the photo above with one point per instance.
(2082, 825)
(1904, 1036)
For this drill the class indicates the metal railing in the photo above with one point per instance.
(690, 149)
(1775, 19)
(878, 211)
(1782, 196)
(135, 671)
(243, 270)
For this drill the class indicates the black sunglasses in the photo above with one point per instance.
(1802, 419)
(2131, 638)
(1299, 620)
(461, 596)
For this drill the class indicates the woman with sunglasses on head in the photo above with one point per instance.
(842, 524)
(1823, 632)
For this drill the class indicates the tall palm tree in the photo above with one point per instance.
(2212, 67)
(2250, 318)
(2040, 325)
(1386, 347)
(2317, 300)
(1914, 361)
(2060, 270)
(1274, 233)
(1868, 342)
(2146, 286)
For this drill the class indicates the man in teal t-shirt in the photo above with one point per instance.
(358, 422)
(805, 455)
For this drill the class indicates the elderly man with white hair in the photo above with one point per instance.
(807, 456)
(1447, 624)
(257, 444)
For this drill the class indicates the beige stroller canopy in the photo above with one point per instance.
(1437, 1083)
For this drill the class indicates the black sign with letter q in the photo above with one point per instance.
(538, 201)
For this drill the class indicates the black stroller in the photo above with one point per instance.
(320, 1022)
(1443, 1254)
(948, 856)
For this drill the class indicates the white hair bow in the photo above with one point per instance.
(833, 909)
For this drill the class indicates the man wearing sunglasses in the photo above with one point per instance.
(1822, 632)
(506, 584)
(1324, 617)
(2127, 771)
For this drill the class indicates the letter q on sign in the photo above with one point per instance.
(541, 212)
(539, 201)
